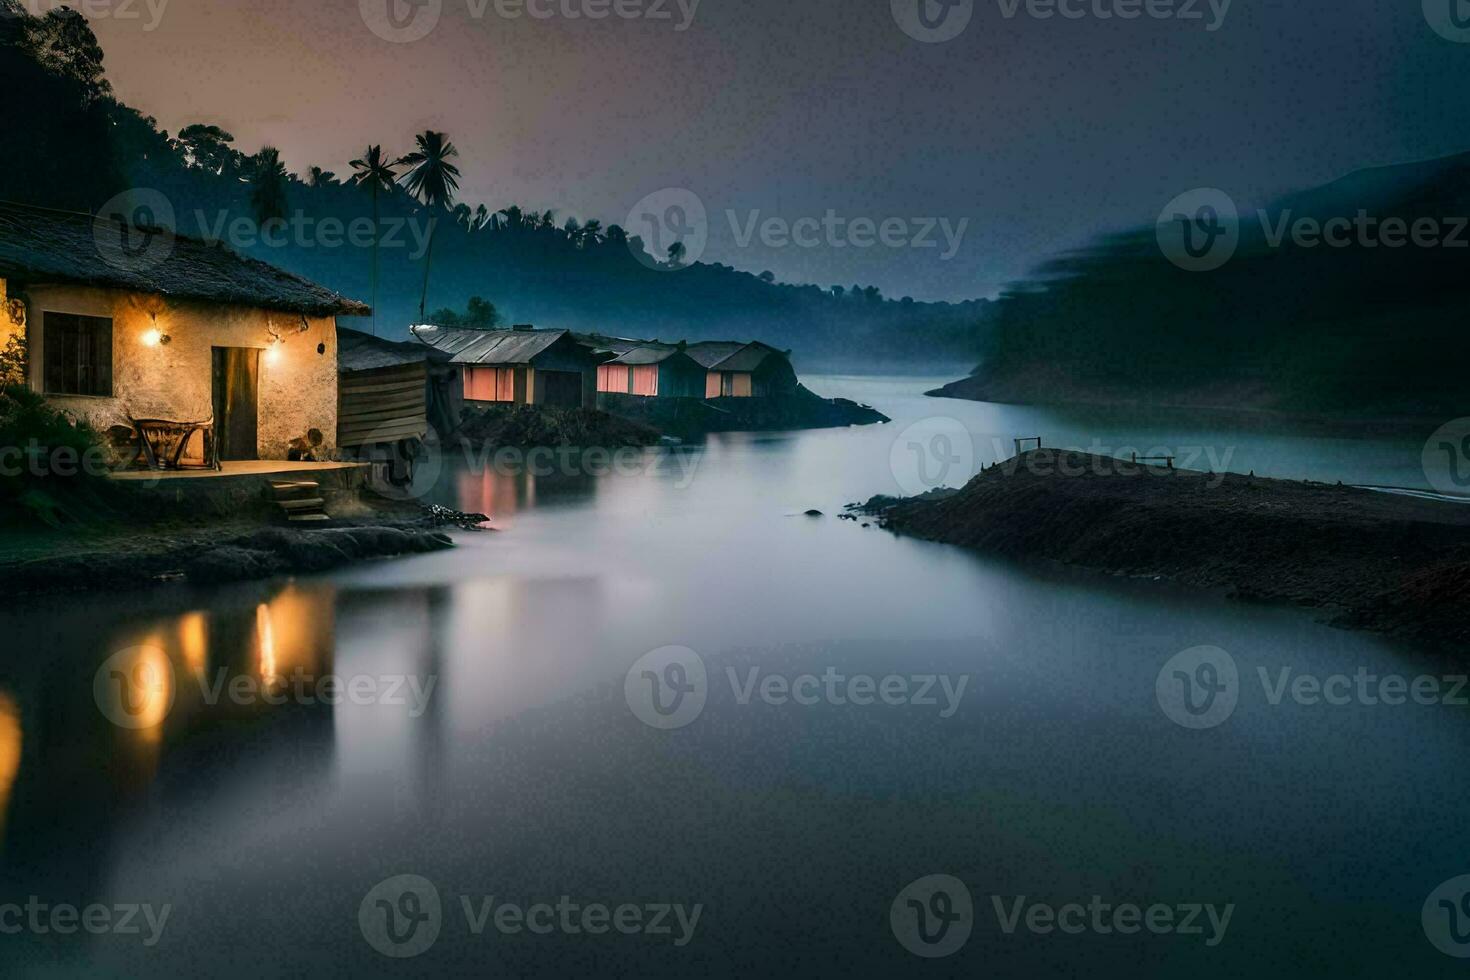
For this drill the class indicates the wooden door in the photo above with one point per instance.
(237, 401)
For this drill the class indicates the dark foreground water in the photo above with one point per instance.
(861, 756)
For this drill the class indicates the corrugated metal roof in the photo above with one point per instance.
(646, 355)
(711, 352)
(62, 246)
(748, 358)
(487, 346)
(358, 351)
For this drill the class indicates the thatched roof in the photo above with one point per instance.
(39, 245)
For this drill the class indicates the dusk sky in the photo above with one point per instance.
(1038, 132)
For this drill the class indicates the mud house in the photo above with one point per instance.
(522, 366)
(122, 323)
(736, 370)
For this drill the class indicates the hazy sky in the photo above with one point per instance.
(1037, 131)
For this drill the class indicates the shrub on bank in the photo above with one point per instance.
(51, 468)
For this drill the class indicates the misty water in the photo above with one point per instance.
(525, 773)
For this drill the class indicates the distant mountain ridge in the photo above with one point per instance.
(81, 148)
(1291, 322)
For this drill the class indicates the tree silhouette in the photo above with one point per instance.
(268, 179)
(433, 180)
(374, 172)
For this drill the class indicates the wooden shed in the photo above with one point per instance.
(392, 391)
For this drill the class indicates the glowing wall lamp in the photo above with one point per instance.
(153, 337)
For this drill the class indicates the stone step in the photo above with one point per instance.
(305, 503)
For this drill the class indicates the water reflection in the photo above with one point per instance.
(10, 753)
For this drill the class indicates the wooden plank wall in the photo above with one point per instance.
(382, 406)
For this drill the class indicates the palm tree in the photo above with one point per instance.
(317, 178)
(482, 217)
(268, 186)
(433, 180)
(374, 172)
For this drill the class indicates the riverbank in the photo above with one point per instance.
(690, 418)
(1370, 560)
(90, 558)
(1248, 407)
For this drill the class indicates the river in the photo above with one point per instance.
(659, 691)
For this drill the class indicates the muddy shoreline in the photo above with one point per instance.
(1367, 560)
(203, 556)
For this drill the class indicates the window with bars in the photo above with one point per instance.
(77, 354)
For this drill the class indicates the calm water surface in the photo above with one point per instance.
(523, 774)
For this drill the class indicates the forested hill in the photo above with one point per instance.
(1351, 298)
(74, 146)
